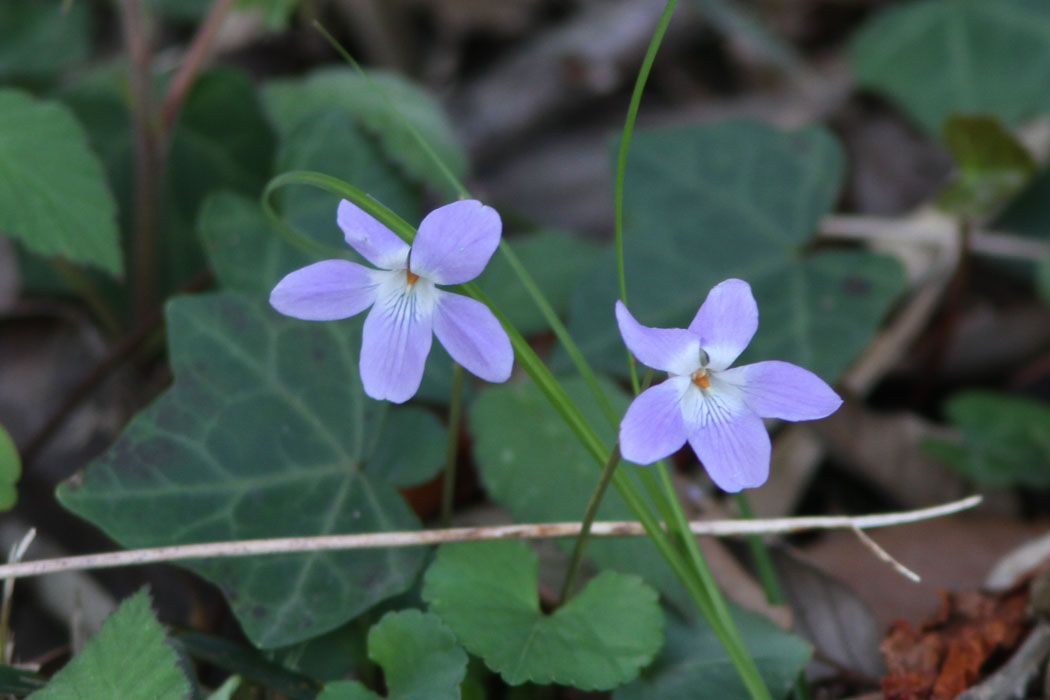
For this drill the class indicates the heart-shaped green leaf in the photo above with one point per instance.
(53, 194)
(486, 592)
(129, 659)
(289, 101)
(267, 433)
(419, 657)
(941, 57)
(737, 199)
(694, 665)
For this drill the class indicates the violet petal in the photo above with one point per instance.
(325, 291)
(673, 350)
(372, 240)
(394, 345)
(782, 390)
(653, 427)
(726, 322)
(455, 242)
(730, 440)
(473, 336)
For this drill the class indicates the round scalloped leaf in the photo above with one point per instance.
(737, 199)
(599, 639)
(53, 192)
(941, 57)
(267, 433)
(419, 657)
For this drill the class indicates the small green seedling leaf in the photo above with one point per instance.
(419, 657)
(693, 658)
(53, 193)
(10, 470)
(486, 592)
(991, 165)
(942, 57)
(1005, 439)
(129, 659)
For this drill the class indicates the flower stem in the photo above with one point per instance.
(767, 573)
(588, 519)
(720, 619)
(448, 487)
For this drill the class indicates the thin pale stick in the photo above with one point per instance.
(885, 556)
(287, 545)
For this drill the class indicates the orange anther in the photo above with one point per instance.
(701, 379)
(411, 277)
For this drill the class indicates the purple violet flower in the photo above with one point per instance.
(718, 410)
(453, 246)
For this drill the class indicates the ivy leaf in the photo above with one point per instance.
(599, 639)
(419, 657)
(39, 39)
(129, 659)
(941, 57)
(694, 659)
(289, 101)
(1004, 439)
(267, 433)
(991, 165)
(737, 199)
(10, 470)
(53, 194)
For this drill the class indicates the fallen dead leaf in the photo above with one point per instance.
(944, 655)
